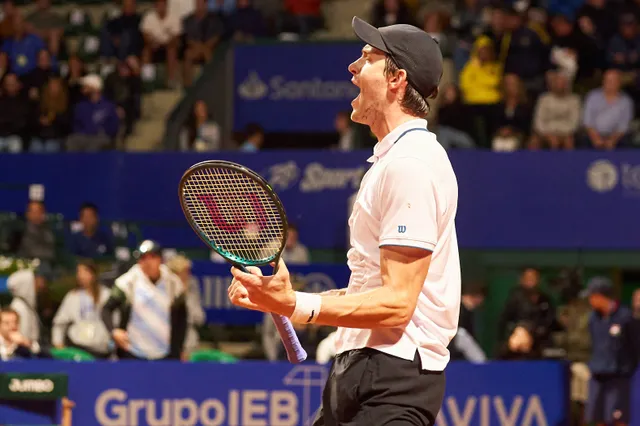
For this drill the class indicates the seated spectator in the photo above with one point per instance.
(73, 80)
(201, 133)
(34, 239)
(390, 12)
(181, 266)
(557, 115)
(344, 128)
(26, 287)
(607, 114)
(121, 36)
(466, 24)
(95, 120)
(498, 32)
(22, 48)
(480, 81)
(9, 10)
(203, 31)
(88, 240)
(53, 118)
(512, 117)
(78, 322)
(303, 17)
(464, 345)
(623, 52)
(454, 127)
(295, 253)
(246, 23)
(152, 296)
(47, 24)
(124, 87)
(14, 119)
(35, 80)
(575, 53)
(597, 18)
(13, 344)
(521, 344)
(161, 31)
(254, 138)
(436, 24)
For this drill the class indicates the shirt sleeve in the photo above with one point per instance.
(408, 205)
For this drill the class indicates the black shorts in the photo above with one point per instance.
(370, 388)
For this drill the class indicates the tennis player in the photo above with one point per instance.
(400, 309)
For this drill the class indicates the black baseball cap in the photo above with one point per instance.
(412, 50)
(148, 247)
(598, 285)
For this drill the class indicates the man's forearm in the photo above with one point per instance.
(381, 307)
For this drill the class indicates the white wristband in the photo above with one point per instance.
(307, 308)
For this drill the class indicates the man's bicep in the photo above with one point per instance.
(405, 269)
(408, 208)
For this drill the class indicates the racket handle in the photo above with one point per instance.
(295, 352)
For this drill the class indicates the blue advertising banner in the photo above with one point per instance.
(279, 394)
(215, 278)
(293, 87)
(523, 200)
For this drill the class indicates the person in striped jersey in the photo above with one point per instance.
(151, 301)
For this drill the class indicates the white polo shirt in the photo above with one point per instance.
(408, 197)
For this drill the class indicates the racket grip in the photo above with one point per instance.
(295, 352)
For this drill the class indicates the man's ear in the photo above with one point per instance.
(397, 80)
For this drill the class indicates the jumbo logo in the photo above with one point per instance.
(31, 385)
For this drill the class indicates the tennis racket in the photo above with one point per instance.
(236, 213)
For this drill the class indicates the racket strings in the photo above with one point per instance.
(234, 212)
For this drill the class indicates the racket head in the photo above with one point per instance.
(214, 191)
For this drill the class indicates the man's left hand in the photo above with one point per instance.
(273, 293)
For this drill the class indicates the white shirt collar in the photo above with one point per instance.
(381, 148)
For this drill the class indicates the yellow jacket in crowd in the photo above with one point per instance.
(481, 77)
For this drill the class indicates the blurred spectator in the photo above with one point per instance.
(246, 23)
(34, 239)
(254, 138)
(573, 316)
(615, 338)
(14, 120)
(202, 133)
(39, 76)
(154, 314)
(73, 80)
(557, 115)
(346, 136)
(181, 266)
(635, 304)
(528, 55)
(497, 33)
(521, 344)
(436, 24)
(608, 113)
(390, 12)
(480, 81)
(512, 117)
(467, 24)
(623, 52)
(13, 344)
(202, 32)
(121, 36)
(529, 309)
(161, 31)
(9, 10)
(464, 345)
(222, 7)
(78, 321)
(4, 65)
(124, 87)
(22, 48)
(88, 240)
(95, 120)
(53, 118)
(294, 251)
(303, 17)
(576, 54)
(597, 19)
(47, 24)
(454, 127)
(26, 287)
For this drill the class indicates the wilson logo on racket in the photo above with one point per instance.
(240, 219)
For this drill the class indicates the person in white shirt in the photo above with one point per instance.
(400, 310)
(161, 30)
(13, 344)
(25, 285)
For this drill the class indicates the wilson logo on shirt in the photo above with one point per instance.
(402, 229)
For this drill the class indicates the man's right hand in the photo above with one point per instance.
(121, 338)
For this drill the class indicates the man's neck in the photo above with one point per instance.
(384, 124)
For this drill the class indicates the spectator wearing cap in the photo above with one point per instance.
(615, 353)
(464, 345)
(25, 286)
(22, 48)
(152, 304)
(607, 114)
(95, 120)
